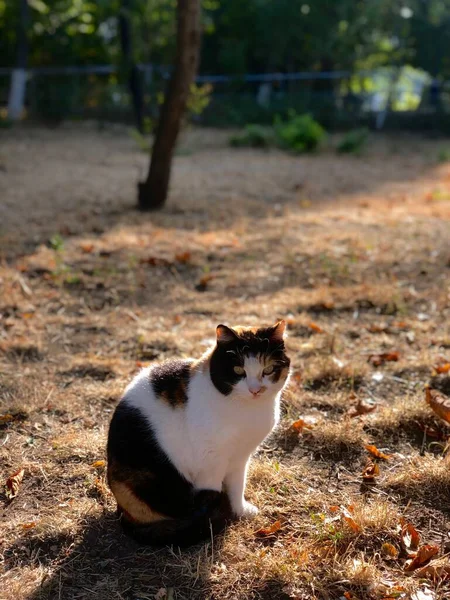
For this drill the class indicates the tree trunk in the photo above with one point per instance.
(152, 193)
(16, 100)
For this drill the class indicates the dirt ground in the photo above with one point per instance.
(353, 251)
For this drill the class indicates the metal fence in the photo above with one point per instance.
(389, 97)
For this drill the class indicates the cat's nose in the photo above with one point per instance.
(256, 390)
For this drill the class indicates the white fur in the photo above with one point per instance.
(211, 438)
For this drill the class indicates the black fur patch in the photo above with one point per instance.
(136, 459)
(228, 355)
(170, 381)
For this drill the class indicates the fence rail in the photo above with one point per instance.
(337, 98)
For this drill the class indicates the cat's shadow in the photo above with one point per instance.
(105, 564)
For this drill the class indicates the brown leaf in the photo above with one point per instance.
(28, 525)
(389, 550)
(300, 425)
(6, 419)
(438, 403)
(379, 359)
(154, 261)
(351, 523)
(361, 408)
(87, 247)
(409, 536)
(13, 483)
(203, 283)
(399, 325)
(316, 328)
(424, 554)
(435, 571)
(266, 531)
(183, 257)
(371, 471)
(98, 463)
(443, 368)
(377, 453)
(27, 315)
(378, 328)
(431, 432)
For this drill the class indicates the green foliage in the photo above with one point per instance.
(444, 155)
(300, 133)
(199, 98)
(56, 242)
(142, 143)
(253, 136)
(353, 141)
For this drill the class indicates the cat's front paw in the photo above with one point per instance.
(247, 511)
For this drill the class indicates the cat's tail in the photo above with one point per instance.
(209, 518)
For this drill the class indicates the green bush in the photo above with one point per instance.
(253, 136)
(300, 133)
(444, 155)
(354, 141)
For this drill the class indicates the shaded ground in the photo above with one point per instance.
(353, 252)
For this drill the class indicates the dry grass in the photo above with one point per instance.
(352, 252)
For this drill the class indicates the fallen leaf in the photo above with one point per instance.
(443, 368)
(389, 550)
(378, 328)
(435, 570)
(431, 432)
(351, 523)
(87, 247)
(361, 408)
(98, 463)
(409, 536)
(371, 471)
(203, 283)
(297, 377)
(377, 453)
(6, 419)
(379, 359)
(154, 261)
(438, 403)
(399, 325)
(183, 257)
(13, 483)
(424, 553)
(300, 424)
(27, 315)
(316, 328)
(266, 531)
(28, 525)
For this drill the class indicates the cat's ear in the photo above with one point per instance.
(225, 334)
(276, 332)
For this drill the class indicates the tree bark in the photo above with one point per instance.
(152, 193)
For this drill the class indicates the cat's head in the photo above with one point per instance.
(250, 363)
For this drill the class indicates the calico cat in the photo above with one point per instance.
(181, 438)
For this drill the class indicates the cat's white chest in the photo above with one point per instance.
(208, 436)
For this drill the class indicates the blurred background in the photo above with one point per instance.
(378, 63)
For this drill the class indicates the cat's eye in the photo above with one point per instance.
(239, 370)
(268, 370)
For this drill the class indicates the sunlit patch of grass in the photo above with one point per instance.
(423, 478)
